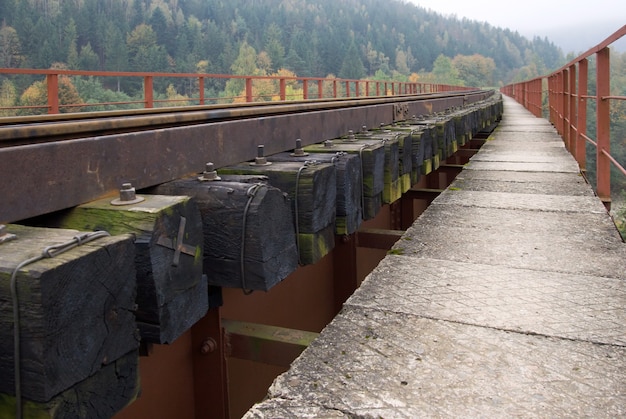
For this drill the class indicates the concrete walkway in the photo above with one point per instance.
(506, 298)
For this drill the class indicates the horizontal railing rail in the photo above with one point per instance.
(566, 91)
(254, 88)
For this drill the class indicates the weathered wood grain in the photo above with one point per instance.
(373, 169)
(76, 309)
(101, 395)
(268, 244)
(312, 191)
(349, 212)
(168, 241)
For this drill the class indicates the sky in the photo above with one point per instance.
(556, 19)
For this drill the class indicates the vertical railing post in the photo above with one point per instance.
(603, 89)
(347, 89)
(335, 89)
(581, 149)
(52, 80)
(305, 89)
(573, 115)
(248, 89)
(148, 92)
(201, 88)
(356, 88)
(367, 88)
(377, 88)
(320, 89)
(283, 89)
(566, 108)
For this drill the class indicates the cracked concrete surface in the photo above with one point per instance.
(507, 299)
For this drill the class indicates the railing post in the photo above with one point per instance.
(566, 115)
(367, 88)
(148, 92)
(377, 88)
(320, 89)
(52, 80)
(201, 88)
(603, 89)
(356, 88)
(335, 88)
(283, 89)
(248, 89)
(573, 115)
(581, 149)
(305, 89)
(347, 89)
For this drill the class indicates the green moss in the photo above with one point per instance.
(396, 252)
(452, 188)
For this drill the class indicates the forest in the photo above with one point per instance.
(353, 39)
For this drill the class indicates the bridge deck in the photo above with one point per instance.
(506, 297)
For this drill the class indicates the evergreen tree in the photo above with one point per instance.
(352, 66)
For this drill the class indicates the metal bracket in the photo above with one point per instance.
(400, 111)
(178, 246)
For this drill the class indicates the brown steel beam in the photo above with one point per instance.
(61, 174)
(210, 374)
(375, 238)
(267, 344)
(345, 280)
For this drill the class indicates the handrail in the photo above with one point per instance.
(312, 88)
(566, 93)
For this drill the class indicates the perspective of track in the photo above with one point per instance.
(234, 203)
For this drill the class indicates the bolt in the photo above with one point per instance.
(298, 151)
(209, 345)
(209, 173)
(328, 144)
(127, 196)
(351, 136)
(127, 193)
(260, 159)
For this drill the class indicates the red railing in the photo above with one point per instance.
(311, 88)
(566, 91)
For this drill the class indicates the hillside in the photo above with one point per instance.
(349, 38)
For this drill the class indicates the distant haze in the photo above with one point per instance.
(574, 26)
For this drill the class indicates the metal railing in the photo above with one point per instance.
(566, 91)
(308, 88)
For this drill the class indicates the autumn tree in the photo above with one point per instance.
(475, 70)
(36, 95)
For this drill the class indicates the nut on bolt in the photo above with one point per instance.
(209, 173)
(209, 345)
(127, 196)
(260, 159)
(298, 151)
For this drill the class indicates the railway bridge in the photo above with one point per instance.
(428, 252)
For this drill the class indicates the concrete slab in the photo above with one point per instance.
(572, 184)
(578, 307)
(569, 242)
(371, 363)
(521, 201)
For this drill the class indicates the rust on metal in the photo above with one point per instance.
(262, 343)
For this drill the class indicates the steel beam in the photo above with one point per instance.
(376, 238)
(267, 344)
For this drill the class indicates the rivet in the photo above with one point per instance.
(328, 144)
(127, 196)
(209, 174)
(351, 136)
(298, 151)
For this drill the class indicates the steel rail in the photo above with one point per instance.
(53, 170)
(61, 127)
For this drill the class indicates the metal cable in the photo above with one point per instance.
(251, 192)
(297, 222)
(48, 252)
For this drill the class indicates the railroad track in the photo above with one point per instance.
(53, 162)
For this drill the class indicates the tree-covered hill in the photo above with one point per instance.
(347, 38)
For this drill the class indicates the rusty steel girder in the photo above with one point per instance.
(43, 174)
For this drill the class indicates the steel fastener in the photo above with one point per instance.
(127, 196)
